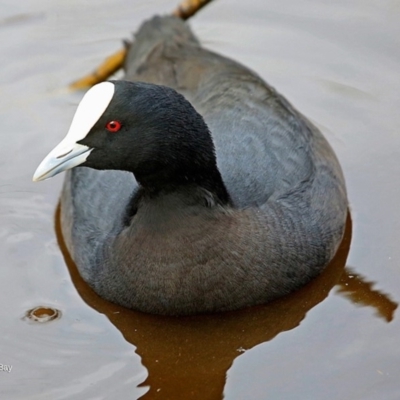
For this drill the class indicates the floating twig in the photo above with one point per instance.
(189, 7)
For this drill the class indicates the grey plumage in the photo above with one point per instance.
(284, 180)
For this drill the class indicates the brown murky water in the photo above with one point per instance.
(337, 338)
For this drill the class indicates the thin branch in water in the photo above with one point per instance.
(189, 7)
(354, 287)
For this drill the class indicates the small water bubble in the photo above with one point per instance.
(42, 314)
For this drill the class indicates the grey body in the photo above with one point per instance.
(285, 182)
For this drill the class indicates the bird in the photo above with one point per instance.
(192, 186)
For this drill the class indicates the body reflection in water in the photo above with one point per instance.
(188, 357)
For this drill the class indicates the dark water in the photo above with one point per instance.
(338, 338)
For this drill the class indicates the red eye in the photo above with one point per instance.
(113, 126)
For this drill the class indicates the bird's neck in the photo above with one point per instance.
(187, 184)
(173, 201)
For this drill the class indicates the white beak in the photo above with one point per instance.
(65, 156)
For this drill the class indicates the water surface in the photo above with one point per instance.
(338, 338)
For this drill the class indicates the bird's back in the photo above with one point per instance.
(264, 146)
(284, 179)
